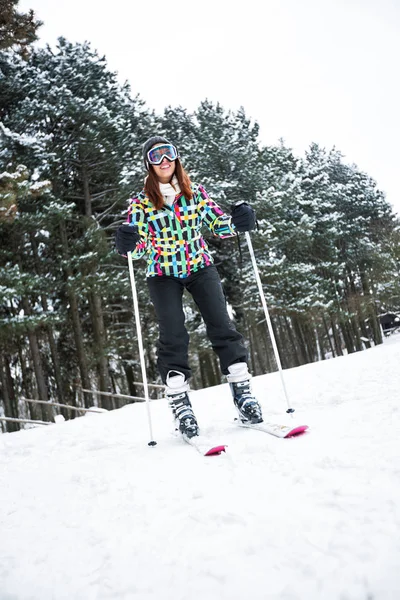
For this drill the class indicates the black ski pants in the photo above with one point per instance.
(206, 289)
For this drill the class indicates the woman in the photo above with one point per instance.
(164, 222)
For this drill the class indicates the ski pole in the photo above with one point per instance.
(141, 351)
(268, 319)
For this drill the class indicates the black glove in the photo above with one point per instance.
(243, 217)
(126, 238)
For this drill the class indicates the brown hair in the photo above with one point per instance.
(152, 185)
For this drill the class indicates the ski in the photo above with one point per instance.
(203, 446)
(276, 429)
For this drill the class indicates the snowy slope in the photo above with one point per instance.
(89, 512)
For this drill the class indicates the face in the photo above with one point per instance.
(164, 170)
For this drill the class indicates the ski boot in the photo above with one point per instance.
(247, 406)
(176, 390)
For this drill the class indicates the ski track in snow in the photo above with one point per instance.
(89, 512)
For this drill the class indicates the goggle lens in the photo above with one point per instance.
(156, 155)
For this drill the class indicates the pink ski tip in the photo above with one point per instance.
(216, 450)
(297, 431)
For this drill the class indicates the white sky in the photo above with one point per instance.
(307, 70)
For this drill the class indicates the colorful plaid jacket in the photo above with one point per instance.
(171, 236)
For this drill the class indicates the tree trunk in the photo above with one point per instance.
(347, 336)
(279, 342)
(10, 403)
(301, 345)
(27, 384)
(56, 365)
(130, 376)
(37, 363)
(371, 310)
(252, 351)
(49, 329)
(268, 352)
(356, 333)
(310, 338)
(207, 367)
(319, 344)
(76, 326)
(100, 348)
(256, 352)
(80, 350)
(327, 335)
(375, 325)
(289, 330)
(86, 192)
(353, 308)
(280, 334)
(336, 338)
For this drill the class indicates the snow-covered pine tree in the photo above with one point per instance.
(17, 30)
(366, 220)
(90, 132)
(282, 245)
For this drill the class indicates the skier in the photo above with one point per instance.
(164, 222)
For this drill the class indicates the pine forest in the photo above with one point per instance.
(326, 244)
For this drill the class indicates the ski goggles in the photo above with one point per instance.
(156, 155)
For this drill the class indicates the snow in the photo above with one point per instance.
(90, 512)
